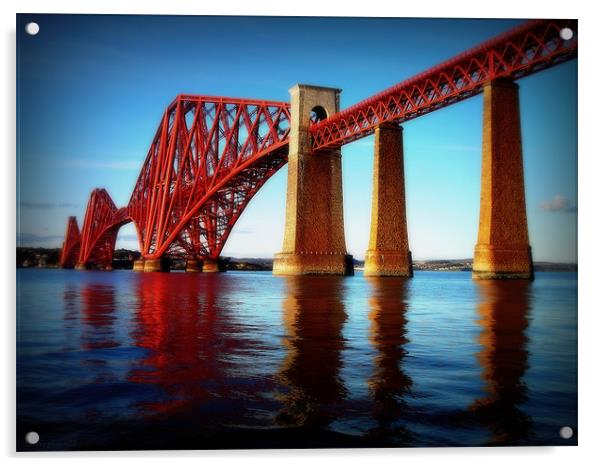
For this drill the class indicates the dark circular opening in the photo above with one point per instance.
(318, 114)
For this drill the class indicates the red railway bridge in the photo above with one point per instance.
(211, 155)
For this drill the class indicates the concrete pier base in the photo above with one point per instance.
(156, 265)
(314, 237)
(502, 250)
(194, 265)
(213, 266)
(506, 263)
(139, 266)
(388, 252)
(381, 263)
(313, 264)
(81, 266)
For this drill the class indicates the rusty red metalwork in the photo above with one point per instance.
(71, 245)
(99, 232)
(210, 155)
(531, 47)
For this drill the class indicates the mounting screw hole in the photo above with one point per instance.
(32, 438)
(566, 432)
(32, 28)
(566, 33)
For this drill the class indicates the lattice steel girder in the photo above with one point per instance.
(522, 51)
(202, 143)
(99, 232)
(210, 155)
(71, 245)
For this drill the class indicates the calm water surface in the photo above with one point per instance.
(125, 360)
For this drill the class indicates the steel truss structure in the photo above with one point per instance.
(531, 47)
(210, 155)
(101, 224)
(71, 245)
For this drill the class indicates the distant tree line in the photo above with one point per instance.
(124, 259)
(50, 257)
(38, 257)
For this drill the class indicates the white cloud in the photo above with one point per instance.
(558, 204)
(110, 164)
(47, 205)
(31, 239)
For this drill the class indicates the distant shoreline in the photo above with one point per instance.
(29, 257)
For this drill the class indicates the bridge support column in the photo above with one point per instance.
(139, 265)
(156, 265)
(502, 249)
(194, 265)
(213, 266)
(314, 235)
(388, 251)
(81, 266)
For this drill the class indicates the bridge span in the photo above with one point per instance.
(211, 155)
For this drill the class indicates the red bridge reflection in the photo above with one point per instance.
(186, 331)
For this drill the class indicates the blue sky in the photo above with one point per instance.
(92, 89)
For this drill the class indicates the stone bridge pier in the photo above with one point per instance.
(314, 235)
(502, 249)
(388, 251)
(207, 265)
(314, 239)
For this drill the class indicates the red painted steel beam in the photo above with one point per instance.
(209, 157)
(71, 245)
(529, 48)
(99, 231)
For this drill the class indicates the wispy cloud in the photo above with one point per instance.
(31, 239)
(243, 231)
(109, 164)
(47, 205)
(446, 148)
(426, 149)
(128, 238)
(363, 143)
(559, 204)
(459, 148)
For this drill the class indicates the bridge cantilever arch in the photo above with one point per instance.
(211, 155)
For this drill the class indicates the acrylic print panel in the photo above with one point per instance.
(226, 240)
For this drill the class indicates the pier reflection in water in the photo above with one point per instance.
(313, 316)
(389, 383)
(122, 360)
(504, 317)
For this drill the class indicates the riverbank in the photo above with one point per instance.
(124, 259)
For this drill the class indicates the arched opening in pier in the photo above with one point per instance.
(318, 113)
